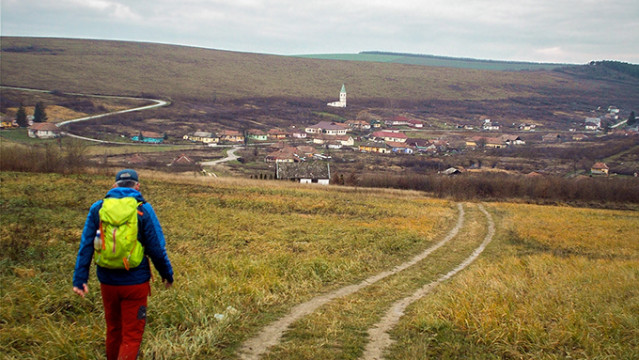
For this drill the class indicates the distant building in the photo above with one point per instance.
(232, 136)
(327, 128)
(400, 147)
(44, 131)
(202, 136)
(512, 140)
(342, 99)
(592, 123)
(277, 134)
(182, 160)
(551, 138)
(258, 135)
(374, 147)
(599, 168)
(389, 136)
(451, 171)
(490, 126)
(358, 124)
(284, 154)
(310, 172)
(148, 137)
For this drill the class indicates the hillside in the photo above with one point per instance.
(553, 282)
(177, 72)
(433, 60)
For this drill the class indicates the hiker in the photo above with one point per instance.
(122, 232)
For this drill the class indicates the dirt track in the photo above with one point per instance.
(378, 334)
(255, 347)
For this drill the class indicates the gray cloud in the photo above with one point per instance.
(536, 30)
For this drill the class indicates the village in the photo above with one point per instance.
(402, 134)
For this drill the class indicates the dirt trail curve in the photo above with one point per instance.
(378, 334)
(230, 156)
(271, 335)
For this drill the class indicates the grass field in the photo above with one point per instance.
(556, 282)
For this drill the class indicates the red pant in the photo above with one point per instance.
(125, 313)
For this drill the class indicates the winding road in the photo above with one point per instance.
(157, 103)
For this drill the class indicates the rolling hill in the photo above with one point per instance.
(188, 73)
(433, 60)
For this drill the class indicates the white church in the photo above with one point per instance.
(342, 99)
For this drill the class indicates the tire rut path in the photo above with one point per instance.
(379, 337)
(271, 335)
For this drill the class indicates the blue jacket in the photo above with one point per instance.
(149, 234)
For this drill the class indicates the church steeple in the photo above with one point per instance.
(342, 99)
(342, 96)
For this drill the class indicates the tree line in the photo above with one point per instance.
(39, 115)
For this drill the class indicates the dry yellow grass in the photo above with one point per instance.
(559, 283)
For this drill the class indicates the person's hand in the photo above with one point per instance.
(82, 292)
(167, 284)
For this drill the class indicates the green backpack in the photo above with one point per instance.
(118, 246)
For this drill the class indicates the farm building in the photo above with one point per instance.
(400, 148)
(599, 168)
(327, 128)
(44, 131)
(259, 135)
(277, 134)
(232, 136)
(203, 136)
(309, 172)
(284, 154)
(374, 147)
(148, 137)
(389, 136)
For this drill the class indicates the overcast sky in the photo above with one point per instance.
(566, 31)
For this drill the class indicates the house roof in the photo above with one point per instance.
(343, 89)
(600, 165)
(506, 137)
(325, 125)
(182, 159)
(45, 126)
(374, 145)
(451, 171)
(286, 152)
(277, 132)
(203, 134)
(151, 134)
(397, 145)
(418, 142)
(303, 170)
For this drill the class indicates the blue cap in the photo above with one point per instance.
(126, 174)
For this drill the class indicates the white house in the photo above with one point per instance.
(44, 131)
(342, 99)
(389, 136)
(327, 128)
